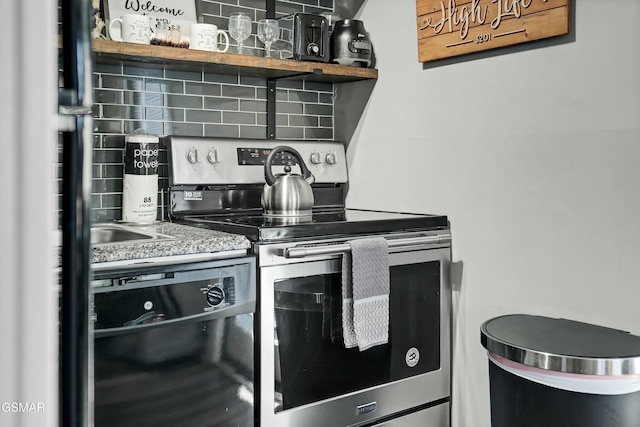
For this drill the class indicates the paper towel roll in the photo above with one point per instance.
(140, 181)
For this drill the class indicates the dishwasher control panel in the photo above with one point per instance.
(146, 298)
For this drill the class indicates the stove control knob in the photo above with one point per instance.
(213, 156)
(331, 158)
(215, 296)
(316, 158)
(192, 156)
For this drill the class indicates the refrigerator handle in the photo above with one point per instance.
(76, 95)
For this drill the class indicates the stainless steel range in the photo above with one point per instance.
(309, 373)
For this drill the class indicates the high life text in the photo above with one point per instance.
(459, 18)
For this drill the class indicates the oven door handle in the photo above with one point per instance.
(404, 243)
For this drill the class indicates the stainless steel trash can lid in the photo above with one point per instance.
(562, 345)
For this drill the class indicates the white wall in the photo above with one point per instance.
(28, 291)
(534, 155)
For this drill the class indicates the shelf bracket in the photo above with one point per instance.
(271, 109)
(271, 83)
(271, 9)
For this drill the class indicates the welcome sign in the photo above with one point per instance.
(175, 12)
(449, 28)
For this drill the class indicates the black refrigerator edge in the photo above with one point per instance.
(75, 104)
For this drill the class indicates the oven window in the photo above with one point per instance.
(311, 361)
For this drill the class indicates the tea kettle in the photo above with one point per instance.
(287, 194)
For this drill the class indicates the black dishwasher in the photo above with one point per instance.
(174, 345)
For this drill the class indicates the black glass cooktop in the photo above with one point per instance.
(348, 222)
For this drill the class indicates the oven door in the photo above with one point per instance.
(309, 378)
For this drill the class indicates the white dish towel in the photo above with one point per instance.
(365, 293)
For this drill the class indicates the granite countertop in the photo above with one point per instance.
(186, 240)
(178, 241)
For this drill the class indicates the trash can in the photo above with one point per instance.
(561, 373)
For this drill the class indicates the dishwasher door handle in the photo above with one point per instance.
(231, 311)
(407, 243)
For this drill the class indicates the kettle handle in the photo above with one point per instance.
(268, 174)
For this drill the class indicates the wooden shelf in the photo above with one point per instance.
(108, 51)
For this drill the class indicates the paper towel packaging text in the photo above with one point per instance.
(140, 184)
(141, 158)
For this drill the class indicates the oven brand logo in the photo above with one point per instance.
(365, 409)
(412, 357)
(193, 195)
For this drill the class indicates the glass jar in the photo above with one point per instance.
(162, 31)
(175, 35)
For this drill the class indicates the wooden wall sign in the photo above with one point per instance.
(448, 28)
